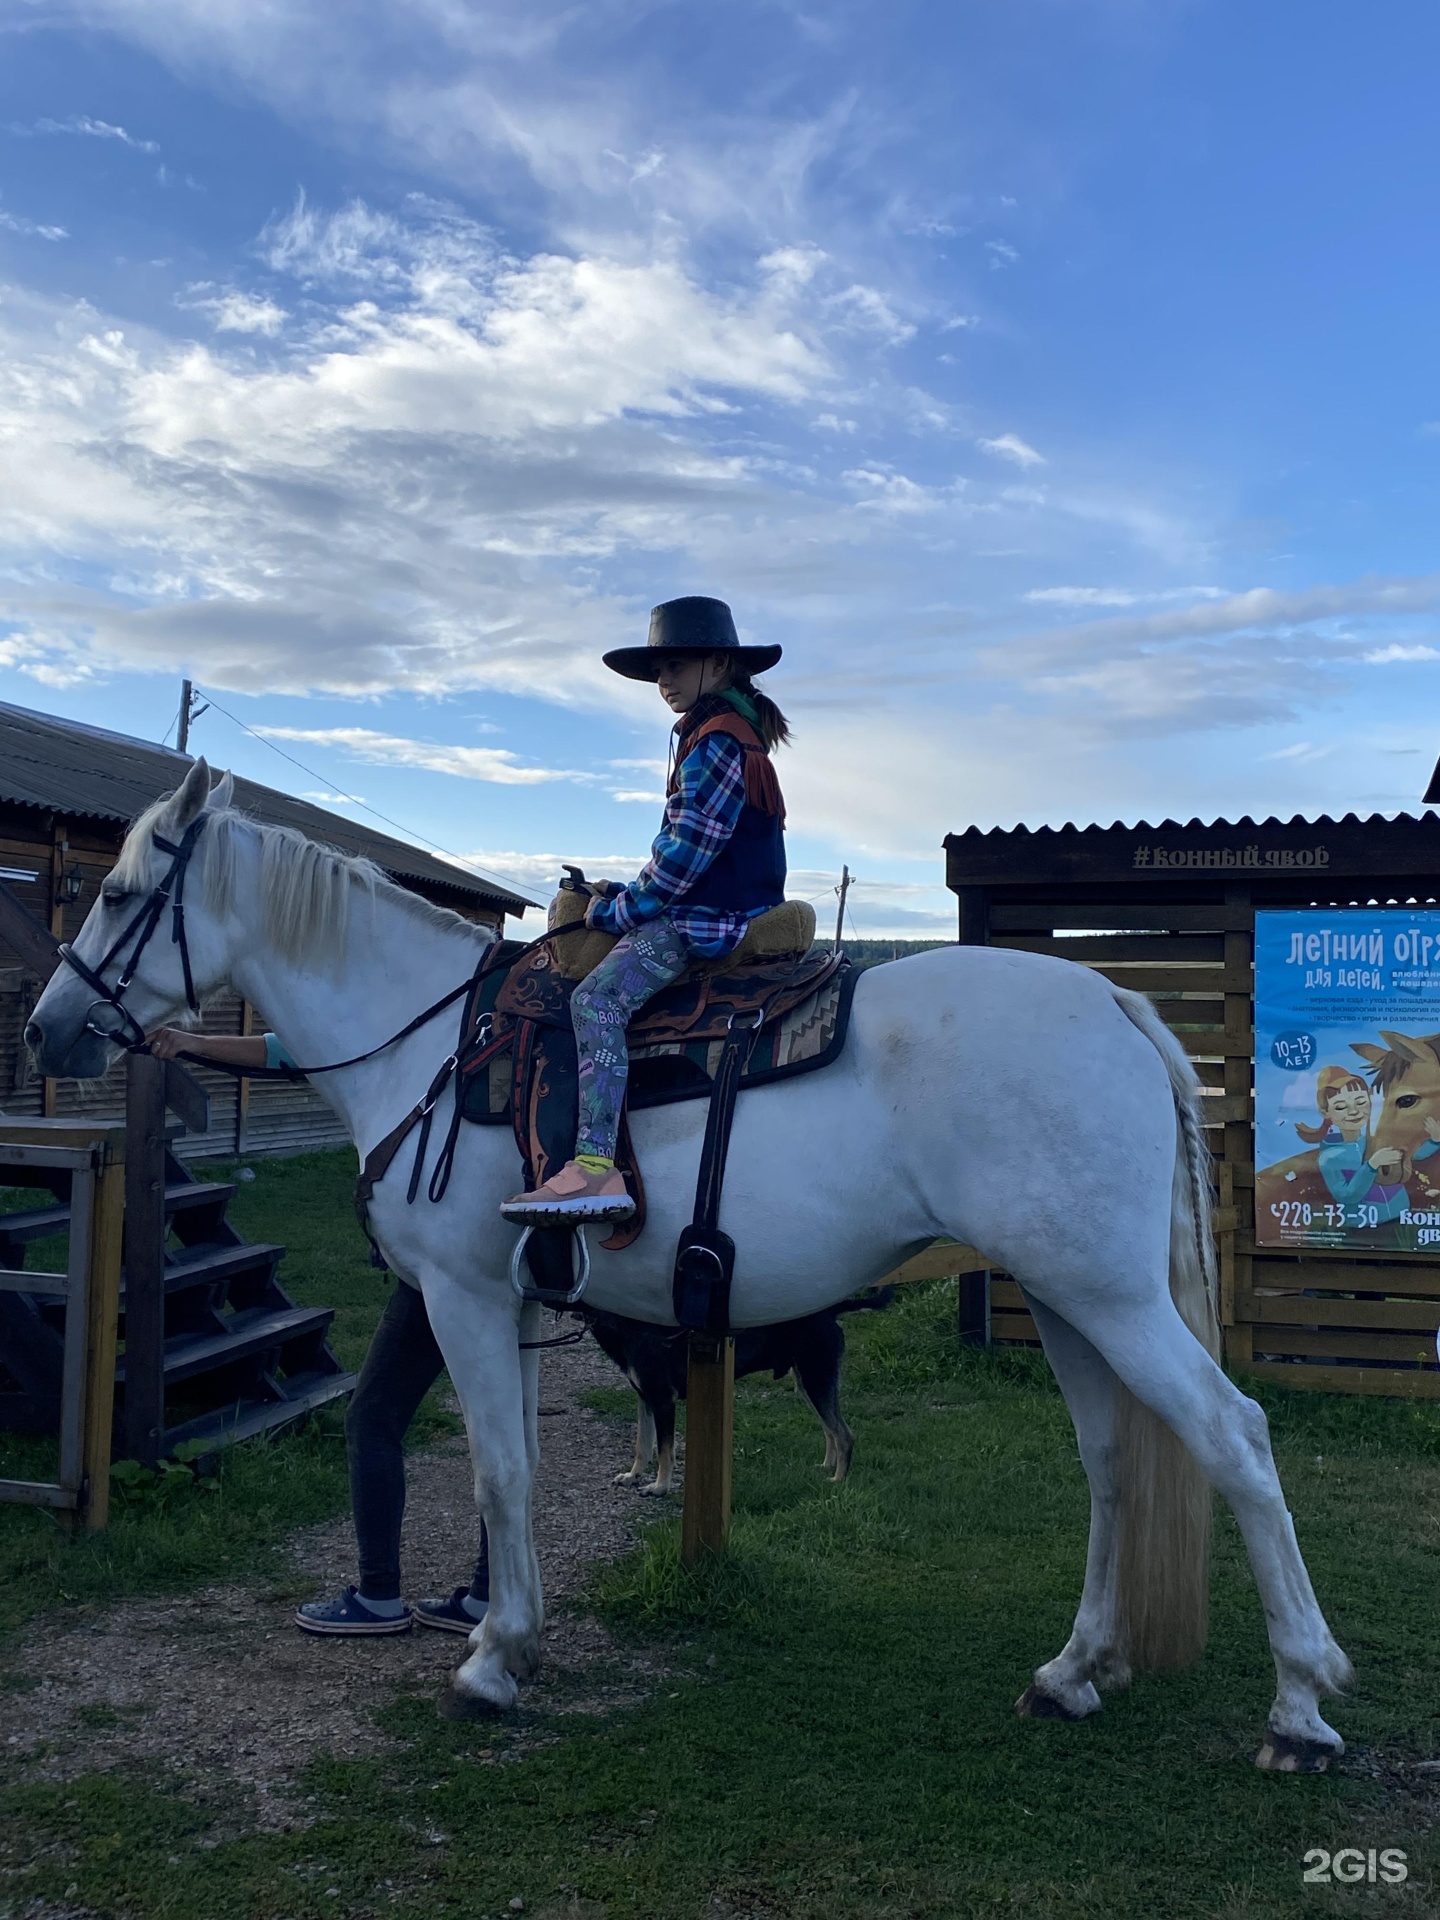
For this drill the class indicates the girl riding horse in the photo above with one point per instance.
(718, 861)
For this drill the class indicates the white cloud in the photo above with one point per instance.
(495, 764)
(1001, 253)
(1009, 446)
(15, 223)
(415, 489)
(868, 309)
(1118, 596)
(324, 799)
(1386, 656)
(541, 873)
(231, 311)
(81, 123)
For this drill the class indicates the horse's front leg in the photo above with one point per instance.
(496, 1384)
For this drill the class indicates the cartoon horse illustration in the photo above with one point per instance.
(1407, 1073)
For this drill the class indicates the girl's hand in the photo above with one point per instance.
(595, 900)
(1432, 1129)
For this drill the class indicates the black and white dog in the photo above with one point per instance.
(655, 1359)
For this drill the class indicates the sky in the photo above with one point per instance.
(1054, 379)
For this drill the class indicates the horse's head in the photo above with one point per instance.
(70, 1032)
(1407, 1073)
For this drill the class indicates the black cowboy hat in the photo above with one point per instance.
(692, 625)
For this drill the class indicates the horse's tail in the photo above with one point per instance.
(1163, 1576)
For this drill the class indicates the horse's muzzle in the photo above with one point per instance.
(83, 1056)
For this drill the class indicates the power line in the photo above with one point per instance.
(350, 798)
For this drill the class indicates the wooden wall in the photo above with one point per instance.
(1323, 1320)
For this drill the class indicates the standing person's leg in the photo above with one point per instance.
(601, 1008)
(403, 1363)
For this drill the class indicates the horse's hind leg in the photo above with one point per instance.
(1166, 1368)
(1065, 1687)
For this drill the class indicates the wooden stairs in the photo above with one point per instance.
(240, 1357)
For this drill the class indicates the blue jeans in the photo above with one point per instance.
(601, 1008)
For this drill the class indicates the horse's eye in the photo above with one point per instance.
(114, 896)
(1408, 1100)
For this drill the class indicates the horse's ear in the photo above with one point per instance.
(188, 803)
(222, 794)
(1375, 1055)
(1419, 1052)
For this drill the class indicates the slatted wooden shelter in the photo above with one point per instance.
(1169, 910)
(67, 794)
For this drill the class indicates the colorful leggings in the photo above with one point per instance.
(601, 1008)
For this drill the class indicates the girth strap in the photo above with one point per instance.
(705, 1256)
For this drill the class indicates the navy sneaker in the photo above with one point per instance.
(349, 1615)
(449, 1615)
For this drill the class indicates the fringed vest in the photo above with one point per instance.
(748, 873)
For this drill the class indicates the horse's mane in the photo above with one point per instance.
(307, 889)
(1385, 1073)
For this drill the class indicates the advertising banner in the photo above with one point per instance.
(1347, 1079)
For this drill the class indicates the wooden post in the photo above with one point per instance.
(843, 889)
(709, 1445)
(242, 1087)
(1235, 1261)
(102, 1305)
(144, 1257)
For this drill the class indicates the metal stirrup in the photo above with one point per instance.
(545, 1297)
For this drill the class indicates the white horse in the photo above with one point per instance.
(1017, 1103)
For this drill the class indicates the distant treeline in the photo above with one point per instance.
(874, 953)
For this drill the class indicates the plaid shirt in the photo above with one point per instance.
(700, 817)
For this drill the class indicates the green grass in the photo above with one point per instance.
(830, 1734)
(182, 1532)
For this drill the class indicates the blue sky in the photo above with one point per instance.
(1055, 380)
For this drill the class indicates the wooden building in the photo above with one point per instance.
(67, 794)
(1170, 910)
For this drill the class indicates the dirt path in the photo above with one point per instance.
(219, 1685)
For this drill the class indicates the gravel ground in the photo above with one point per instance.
(219, 1686)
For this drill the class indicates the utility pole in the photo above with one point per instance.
(842, 890)
(190, 709)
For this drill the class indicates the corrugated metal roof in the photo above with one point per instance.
(1245, 822)
(67, 767)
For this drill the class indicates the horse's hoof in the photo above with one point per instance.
(1035, 1705)
(455, 1705)
(1280, 1754)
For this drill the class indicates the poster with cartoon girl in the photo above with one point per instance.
(1357, 1095)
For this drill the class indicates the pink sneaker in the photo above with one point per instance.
(571, 1194)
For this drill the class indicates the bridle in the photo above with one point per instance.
(170, 892)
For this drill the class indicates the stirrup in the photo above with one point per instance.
(545, 1296)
